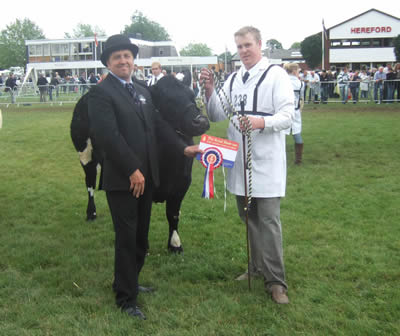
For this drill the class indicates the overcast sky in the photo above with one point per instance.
(200, 21)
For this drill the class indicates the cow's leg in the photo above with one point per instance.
(90, 178)
(173, 206)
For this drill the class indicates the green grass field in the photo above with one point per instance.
(341, 238)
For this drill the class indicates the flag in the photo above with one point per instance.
(95, 40)
(324, 30)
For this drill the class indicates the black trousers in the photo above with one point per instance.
(131, 219)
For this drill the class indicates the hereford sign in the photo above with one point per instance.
(368, 30)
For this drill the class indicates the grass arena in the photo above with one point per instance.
(339, 217)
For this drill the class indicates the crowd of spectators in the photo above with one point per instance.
(381, 85)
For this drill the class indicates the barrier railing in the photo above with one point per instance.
(29, 94)
(363, 91)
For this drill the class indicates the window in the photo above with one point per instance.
(59, 49)
(346, 43)
(35, 50)
(46, 49)
(86, 47)
(355, 43)
(365, 43)
(376, 43)
(388, 42)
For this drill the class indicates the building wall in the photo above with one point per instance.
(353, 41)
(362, 55)
(373, 19)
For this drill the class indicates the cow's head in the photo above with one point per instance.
(177, 105)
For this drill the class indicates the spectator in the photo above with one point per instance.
(156, 74)
(53, 86)
(343, 82)
(11, 86)
(379, 78)
(314, 82)
(293, 71)
(43, 87)
(324, 86)
(82, 82)
(390, 85)
(304, 78)
(92, 78)
(331, 83)
(137, 73)
(196, 83)
(364, 85)
(397, 87)
(355, 86)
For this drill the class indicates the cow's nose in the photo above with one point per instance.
(201, 122)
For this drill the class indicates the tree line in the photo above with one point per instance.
(13, 51)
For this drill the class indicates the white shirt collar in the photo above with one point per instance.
(123, 82)
(262, 65)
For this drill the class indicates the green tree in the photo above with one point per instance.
(196, 49)
(396, 43)
(221, 58)
(274, 44)
(295, 45)
(12, 40)
(145, 29)
(85, 30)
(311, 50)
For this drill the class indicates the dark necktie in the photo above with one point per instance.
(131, 89)
(155, 80)
(245, 77)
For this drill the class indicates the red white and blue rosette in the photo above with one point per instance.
(211, 159)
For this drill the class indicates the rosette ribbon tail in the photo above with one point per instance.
(208, 188)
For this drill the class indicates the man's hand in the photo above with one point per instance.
(192, 151)
(137, 183)
(256, 123)
(207, 78)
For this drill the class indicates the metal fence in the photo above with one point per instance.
(387, 91)
(30, 94)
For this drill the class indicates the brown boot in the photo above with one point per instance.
(298, 148)
(279, 294)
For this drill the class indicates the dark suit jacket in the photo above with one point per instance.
(126, 132)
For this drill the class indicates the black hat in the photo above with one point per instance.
(116, 43)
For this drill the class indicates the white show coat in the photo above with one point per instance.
(298, 89)
(153, 78)
(276, 101)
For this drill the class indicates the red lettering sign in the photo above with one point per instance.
(368, 30)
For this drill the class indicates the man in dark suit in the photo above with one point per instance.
(124, 123)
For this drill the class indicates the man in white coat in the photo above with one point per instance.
(269, 105)
(156, 74)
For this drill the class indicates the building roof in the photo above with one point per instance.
(354, 17)
(287, 54)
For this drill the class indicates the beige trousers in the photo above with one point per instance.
(265, 235)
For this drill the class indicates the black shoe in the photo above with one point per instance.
(146, 289)
(134, 312)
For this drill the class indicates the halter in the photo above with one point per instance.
(244, 121)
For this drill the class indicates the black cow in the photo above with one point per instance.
(176, 104)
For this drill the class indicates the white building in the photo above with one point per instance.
(74, 56)
(365, 40)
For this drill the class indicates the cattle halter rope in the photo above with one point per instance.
(246, 130)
